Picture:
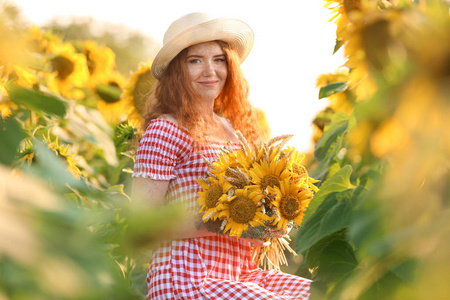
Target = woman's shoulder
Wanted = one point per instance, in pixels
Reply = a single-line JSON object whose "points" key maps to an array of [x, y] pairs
{"points": [[164, 122], [166, 126], [169, 118]]}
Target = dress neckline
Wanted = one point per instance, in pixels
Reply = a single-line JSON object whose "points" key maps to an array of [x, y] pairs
{"points": [[185, 131]]}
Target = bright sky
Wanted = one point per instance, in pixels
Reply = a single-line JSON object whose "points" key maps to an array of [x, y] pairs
{"points": [[293, 45]]}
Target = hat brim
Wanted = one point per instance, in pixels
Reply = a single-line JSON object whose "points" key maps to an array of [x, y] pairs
{"points": [[236, 33]]}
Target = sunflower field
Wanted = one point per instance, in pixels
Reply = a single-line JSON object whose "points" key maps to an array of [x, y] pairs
{"points": [[378, 228]]}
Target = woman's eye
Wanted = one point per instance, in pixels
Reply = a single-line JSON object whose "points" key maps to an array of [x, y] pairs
{"points": [[194, 61]]}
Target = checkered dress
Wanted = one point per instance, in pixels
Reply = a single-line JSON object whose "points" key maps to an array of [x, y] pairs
{"points": [[213, 267]]}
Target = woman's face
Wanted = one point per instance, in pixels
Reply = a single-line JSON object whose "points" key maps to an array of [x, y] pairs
{"points": [[208, 70]]}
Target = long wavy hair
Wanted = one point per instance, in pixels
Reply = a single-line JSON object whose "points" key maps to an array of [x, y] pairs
{"points": [[174, 94]]}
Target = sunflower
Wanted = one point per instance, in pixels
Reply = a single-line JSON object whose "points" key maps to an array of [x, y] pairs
{"points": [[28, 154], [63, 151], [38, 42], [100, 62], [22, 76], [339, 10], [231, 165], [69, 71], [270, 173], [212, 197], [241, 211], [13, 74], [137, 90], [111, 104], [298, 171], [365, 28], [290, 203]]}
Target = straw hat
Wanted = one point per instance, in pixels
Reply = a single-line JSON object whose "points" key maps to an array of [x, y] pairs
{"points": [[197, 28]]}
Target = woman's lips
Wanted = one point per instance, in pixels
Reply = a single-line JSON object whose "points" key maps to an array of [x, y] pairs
{"points": [[208, 83]]}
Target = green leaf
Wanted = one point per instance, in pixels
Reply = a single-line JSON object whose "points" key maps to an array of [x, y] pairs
{"points": [[406, 270], [333, 215], [11, 134], [339, 182], [331, 141], [332, 88], [38, 101], [88, 125], [51, 167], [332, 258]]}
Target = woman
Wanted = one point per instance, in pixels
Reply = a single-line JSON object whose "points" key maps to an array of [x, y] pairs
{"points": [[199, 102]]}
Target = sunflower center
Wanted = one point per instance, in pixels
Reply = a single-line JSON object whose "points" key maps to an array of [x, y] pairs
{"points": [[242, 209], [63, 66], [212, 195], [110, 93], [289, 207], [270, 180]]}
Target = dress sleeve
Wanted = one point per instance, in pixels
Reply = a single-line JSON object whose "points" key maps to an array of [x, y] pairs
{"points": [[159, 149]]}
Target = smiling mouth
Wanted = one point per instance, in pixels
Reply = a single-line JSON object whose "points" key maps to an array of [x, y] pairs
{"points": [[208, 83]]}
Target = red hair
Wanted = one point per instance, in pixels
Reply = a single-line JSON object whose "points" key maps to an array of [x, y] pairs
{"points": [[232, 103]]}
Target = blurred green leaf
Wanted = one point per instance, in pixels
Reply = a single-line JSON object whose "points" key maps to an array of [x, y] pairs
{"points": [[332, 215], [331, 141], [332, 88], [332, 258], [89, 126], [11, 134], [38, 101], [53, 169], [339, 182]]}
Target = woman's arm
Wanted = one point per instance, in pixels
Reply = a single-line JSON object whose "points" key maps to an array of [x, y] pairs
{"points": [[152, 193], [148, 191]]}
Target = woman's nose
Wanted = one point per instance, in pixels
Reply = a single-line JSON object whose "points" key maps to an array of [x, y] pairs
{"points": [[208, 69]]}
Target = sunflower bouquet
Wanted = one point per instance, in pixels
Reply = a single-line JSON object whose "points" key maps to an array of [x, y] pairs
{"points": [[257, 192]]}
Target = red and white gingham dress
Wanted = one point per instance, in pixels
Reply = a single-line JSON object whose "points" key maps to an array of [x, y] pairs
{"points": [[216, 267]]}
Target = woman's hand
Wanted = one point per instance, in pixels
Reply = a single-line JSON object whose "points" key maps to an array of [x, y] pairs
{"points": [[278, 233]]}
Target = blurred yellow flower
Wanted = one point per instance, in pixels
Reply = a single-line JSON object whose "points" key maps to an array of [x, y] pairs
{"points": [[38, 42], [13, 74], [339, 102], [63, 151], [390, 136], [358, 139], [111, 104], [101, 62], [22, 76], [69, 71], [339, 15], [137, 90]]}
